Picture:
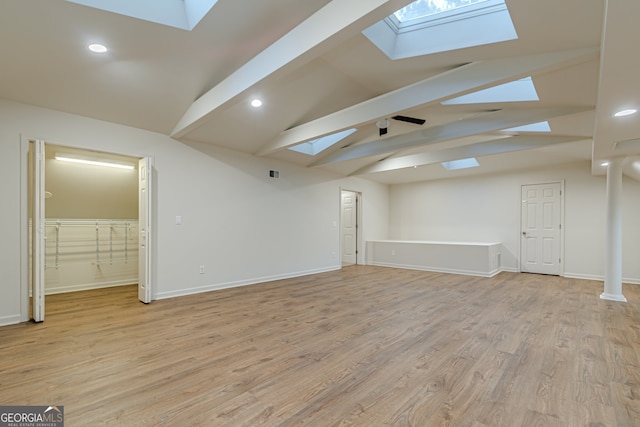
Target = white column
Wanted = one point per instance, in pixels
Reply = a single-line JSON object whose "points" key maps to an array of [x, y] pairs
{"points": [[613, 249]]}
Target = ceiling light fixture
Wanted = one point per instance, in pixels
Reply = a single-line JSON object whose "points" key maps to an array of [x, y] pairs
{"points": [[604, 164], [382, 124], [98, 48], [626, 112], [256, 103], [88, 161]]}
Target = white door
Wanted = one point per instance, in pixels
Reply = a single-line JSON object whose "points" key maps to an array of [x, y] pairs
{"points": [[541, 228], [349, 226], [38, 234], [145, 191]]}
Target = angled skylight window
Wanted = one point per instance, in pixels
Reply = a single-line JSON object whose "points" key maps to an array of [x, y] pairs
{"points": [[517, 91], [534, 127], [460, 164], [421, 8], [316, 146], [431, 26], [184, 14]]}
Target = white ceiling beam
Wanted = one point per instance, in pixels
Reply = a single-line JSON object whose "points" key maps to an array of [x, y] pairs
{"points": [[459, 81], [498, 120], [495, 146], [631, 167], [628, 147], [337, 20]]}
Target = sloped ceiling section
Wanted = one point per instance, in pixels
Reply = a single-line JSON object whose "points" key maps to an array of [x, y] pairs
{"points": [[448, 76], [317, 74]]}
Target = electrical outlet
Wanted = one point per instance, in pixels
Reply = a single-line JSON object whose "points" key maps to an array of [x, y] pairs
{"points": [[393, 251], [202, 269]]}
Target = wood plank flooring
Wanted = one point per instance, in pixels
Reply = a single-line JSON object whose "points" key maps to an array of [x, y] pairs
{"points": [[364, 346]]}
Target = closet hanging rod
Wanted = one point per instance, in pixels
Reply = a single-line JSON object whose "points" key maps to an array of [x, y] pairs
{"points": [[54, 222]]}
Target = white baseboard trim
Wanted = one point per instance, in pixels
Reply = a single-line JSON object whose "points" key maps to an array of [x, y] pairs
{"points": [[10, 320], [441, 270], [89, 286], [583, 276], [599, 278], [248, 282]]}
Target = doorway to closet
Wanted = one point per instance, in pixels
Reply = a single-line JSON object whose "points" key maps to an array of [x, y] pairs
{"points": [[89, 221]]}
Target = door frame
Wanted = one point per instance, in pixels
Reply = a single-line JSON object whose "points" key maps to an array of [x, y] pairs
{"points": [[562, 224], [360, 255], [26, 265]]}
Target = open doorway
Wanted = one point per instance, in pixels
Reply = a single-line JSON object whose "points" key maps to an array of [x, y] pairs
{"points": [[89, 219], [350, 234]]}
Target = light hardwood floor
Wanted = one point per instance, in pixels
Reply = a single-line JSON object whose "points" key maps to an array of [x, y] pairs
{"points": [[363, 346]]}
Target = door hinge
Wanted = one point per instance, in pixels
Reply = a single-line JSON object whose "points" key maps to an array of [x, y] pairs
{"points": [[559, 260], [560, 226]]}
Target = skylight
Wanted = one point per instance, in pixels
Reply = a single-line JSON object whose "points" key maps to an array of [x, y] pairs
{"points": [[533, 127], [421, 8], [316, 146], [460, 164], [184, 14], [431, 26], [516, 91]]}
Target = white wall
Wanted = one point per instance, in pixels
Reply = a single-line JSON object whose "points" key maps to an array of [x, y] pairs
{"points": [[89, 192], [243, 226], [487, 208]]}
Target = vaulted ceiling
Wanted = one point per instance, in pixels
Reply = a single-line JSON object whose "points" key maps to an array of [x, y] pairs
{"points": [[317, 74]]}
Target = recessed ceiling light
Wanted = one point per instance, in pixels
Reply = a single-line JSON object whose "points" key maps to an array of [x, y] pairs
{"points": [[256, 103], [97, 48], [604, 164], [626, 112]]}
